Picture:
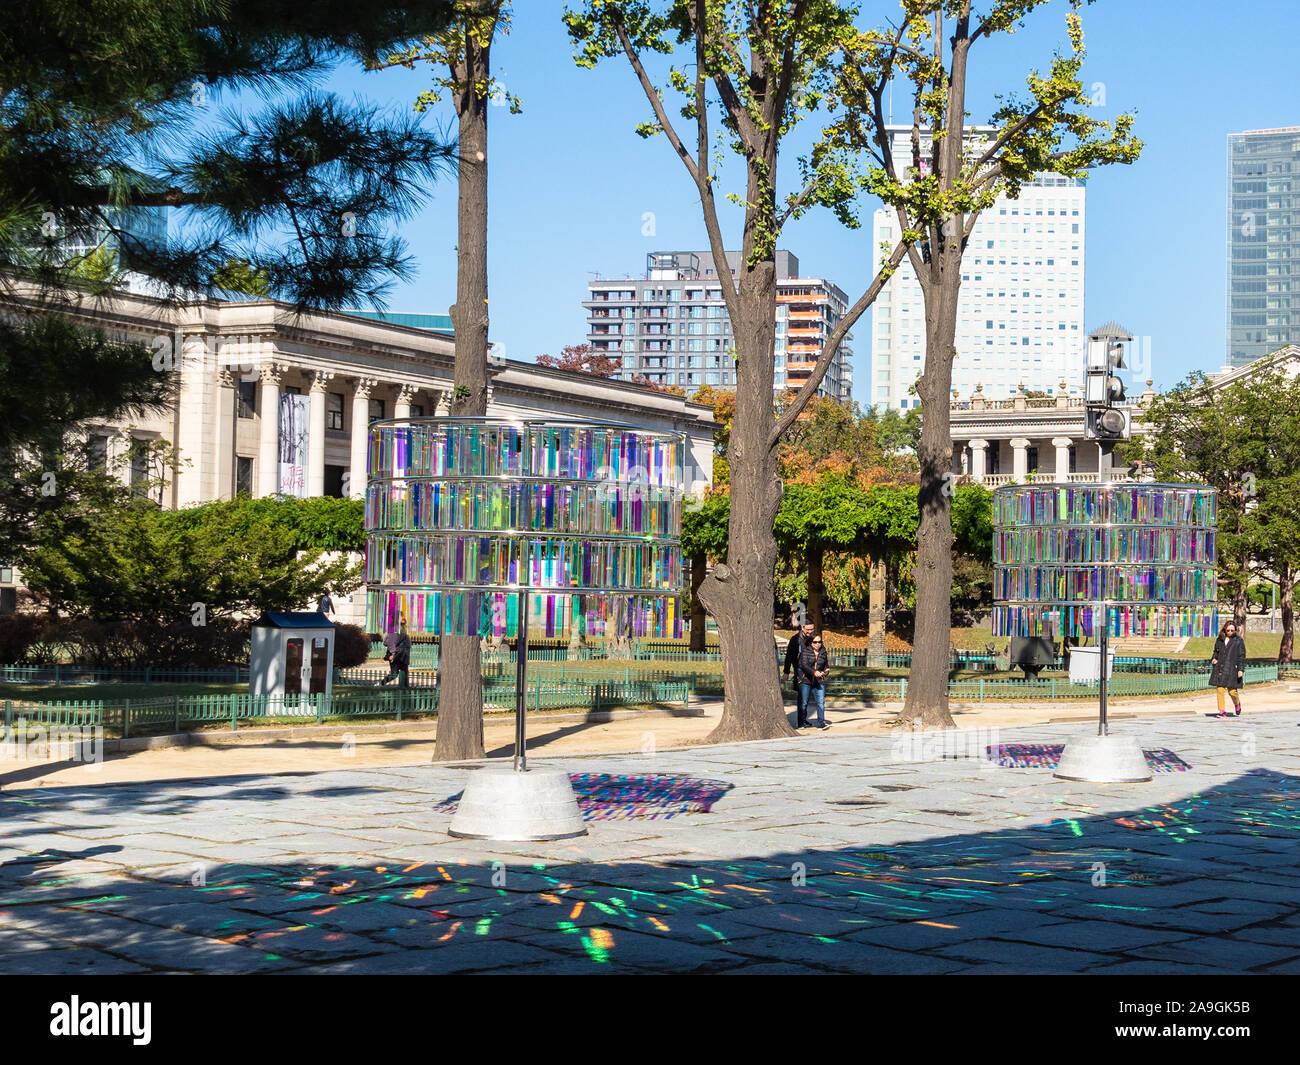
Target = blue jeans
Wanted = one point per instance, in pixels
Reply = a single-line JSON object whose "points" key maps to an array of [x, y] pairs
{"points": [[809, 697], [800, 703]]}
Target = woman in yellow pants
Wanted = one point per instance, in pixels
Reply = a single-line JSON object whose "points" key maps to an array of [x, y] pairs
{"points": [[1228, 666]]}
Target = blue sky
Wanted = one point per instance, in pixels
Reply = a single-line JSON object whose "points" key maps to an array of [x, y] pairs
{"points": [[570, 183]]}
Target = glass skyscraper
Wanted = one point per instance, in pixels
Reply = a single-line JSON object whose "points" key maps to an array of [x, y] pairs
{"points": [[1263, 242]]}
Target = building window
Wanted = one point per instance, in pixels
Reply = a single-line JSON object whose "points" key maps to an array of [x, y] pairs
{"points": [[334, 411], [247, 399], [334, 481], [97, 452], [243, 476], [1031, 459], [376, 410], [138, 456], [417, 410]]}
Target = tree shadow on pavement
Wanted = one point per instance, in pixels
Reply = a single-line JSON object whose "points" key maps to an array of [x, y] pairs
{"points": [[1203, 883]]}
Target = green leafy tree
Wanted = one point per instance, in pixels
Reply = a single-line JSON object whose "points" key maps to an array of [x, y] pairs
{"points": [[759, 70], [98, 118], [836, 513], [704, 541], [944, 180], [109, 107], [236, 275], [142, 583], [898, 434], [1242, 439]]}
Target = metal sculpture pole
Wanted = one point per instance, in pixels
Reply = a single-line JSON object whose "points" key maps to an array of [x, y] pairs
{"points": [[521, 670], [1105, 673], [1105, 457]]}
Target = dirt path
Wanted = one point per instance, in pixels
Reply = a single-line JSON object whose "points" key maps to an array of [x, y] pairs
{"points": [[308, 750]]}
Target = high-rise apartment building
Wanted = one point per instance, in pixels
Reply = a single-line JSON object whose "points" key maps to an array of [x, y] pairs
{"points": [[1263, 242], [671, 325], [1020, 312]]}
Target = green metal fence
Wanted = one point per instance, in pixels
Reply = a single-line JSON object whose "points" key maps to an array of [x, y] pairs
{"points": [[68, 674], [76, 713], [176, 713]]}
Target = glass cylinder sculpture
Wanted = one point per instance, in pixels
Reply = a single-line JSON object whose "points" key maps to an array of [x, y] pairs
{"points": [[1064, 553], [465, 515]]}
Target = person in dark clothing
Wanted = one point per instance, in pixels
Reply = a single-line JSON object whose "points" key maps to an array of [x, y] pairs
{"points": [[398, 656], [1228, 666], [797, 643], [811, 672]]}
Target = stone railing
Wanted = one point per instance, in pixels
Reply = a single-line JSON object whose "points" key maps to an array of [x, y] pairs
{"points": [[995, 480]]}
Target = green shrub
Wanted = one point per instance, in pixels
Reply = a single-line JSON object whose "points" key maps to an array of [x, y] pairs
{"points": [[351, 646]]}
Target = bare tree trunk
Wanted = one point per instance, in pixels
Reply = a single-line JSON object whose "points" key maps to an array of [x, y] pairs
{"points": [[699, 617], [816, 586], [1287, 582], [927, 688], [740, 594], [1239, 602], [460, 702]]}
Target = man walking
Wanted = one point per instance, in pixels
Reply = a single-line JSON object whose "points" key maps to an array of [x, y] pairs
{"points": [[326, 604], [398, 656], [800, 640]]}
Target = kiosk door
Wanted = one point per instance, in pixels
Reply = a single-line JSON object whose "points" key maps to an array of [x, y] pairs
{"points": [[320, 653], [293, 666]]}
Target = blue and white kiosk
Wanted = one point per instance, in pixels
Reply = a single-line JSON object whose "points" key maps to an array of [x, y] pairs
{"points": [[291, 654]]}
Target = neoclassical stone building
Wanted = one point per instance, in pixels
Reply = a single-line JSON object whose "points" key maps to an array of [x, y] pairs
{"points": [[234, 361], [997, 441], [1028, 439]]}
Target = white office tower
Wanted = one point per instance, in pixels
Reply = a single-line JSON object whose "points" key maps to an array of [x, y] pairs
{"points": [[1020, 314]]}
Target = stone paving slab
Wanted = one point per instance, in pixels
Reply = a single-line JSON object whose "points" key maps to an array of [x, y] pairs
{"points": [[827, 854]]}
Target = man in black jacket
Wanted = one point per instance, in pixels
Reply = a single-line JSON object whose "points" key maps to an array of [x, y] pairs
{"points": [[399, 656], [798, 642]]}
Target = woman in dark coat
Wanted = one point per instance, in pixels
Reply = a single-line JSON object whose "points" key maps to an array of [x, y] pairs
{"points": [[811, 672], [1228, 666]]}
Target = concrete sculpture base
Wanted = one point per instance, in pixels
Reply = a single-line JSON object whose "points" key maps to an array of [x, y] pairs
{"points": [[537, 804], [1104, 760]]}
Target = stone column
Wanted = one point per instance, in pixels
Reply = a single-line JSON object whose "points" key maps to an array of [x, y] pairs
{"points": [[876, 608], [977, 460], [1020, 460], [191, 371], [223, 440], [268, 447], [1062, 445], [402, 405], [360, 437], [320, 380]]}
